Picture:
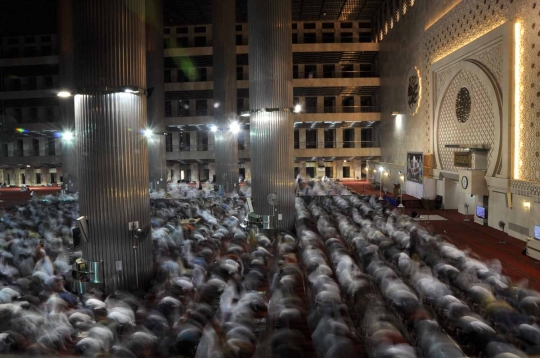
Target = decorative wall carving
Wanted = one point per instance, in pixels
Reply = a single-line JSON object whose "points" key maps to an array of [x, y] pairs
{"points": [[481, 126], [442, 77], [464, 23], [470, 99], [492, 59], [471, 19], [526, 188]]}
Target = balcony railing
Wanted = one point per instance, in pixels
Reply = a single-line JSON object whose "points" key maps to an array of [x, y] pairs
{"points": [[31, 86], [199, 148], [206, 78], [344, 109], [31, 153], [176, 43], [189, 148], [361, 144], [333, 144], [190, 113], [18, 52], [28, 153], [242, 76], [179, 42], [36, 119], [296, 75], [187, 79], [363, 38], [328, 109], [334, 74]]}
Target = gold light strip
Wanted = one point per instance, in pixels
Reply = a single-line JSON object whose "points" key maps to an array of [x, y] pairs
{"points": [[420, 90], [517, 98]]}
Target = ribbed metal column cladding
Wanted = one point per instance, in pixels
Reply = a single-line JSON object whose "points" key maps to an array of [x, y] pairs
{"points": [[114, 183], [110, 55], [66, 82], [270, 86], [157, 163], [226, 143], [110, 43]]}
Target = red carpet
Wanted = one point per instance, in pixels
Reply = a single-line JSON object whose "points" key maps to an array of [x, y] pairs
{"points": [[361, 187], [481, 241], [14, 196]]}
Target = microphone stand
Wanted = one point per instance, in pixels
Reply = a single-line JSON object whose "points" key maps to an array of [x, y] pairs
{"points": [[502, 237], [427, 200]]}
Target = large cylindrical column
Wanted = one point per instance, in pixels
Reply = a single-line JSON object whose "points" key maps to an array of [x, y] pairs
{"points": [[66, 83], [226, 141], [113, 155], [270, 86], [157, 165]]}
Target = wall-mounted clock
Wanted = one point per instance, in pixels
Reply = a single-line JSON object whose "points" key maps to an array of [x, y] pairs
{"points": [[464, 182]]}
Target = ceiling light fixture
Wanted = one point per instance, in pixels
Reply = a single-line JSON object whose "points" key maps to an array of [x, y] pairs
{"points": [[64, 94]]}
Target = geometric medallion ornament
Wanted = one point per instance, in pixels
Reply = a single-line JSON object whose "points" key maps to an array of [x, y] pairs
{"points": [[414, 89], [463, 105]]}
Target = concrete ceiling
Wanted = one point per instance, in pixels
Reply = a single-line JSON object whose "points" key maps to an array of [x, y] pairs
{"points": [[194, 12]]}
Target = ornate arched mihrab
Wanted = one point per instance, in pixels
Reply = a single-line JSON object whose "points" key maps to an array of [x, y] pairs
{"points": [[483, 124]]}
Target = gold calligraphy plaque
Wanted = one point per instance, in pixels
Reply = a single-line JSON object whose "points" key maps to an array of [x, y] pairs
{"points": [[463, 159]]}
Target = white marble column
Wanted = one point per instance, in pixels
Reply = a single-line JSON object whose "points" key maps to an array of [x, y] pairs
{"points": [[302, 138], [247, 140], [193, 142], [59, 174], [357, 167], [357, 137], [303, 170], [176, 142], [339, 102], [13, 177], [338, 169], [339, 137], [320, 137], [169, 176], [247, 166], [19, 174], [176, 172], [211, 142], [211, 171], [45, 175], [320, 104], [194, 172], [30, 176]]}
